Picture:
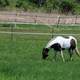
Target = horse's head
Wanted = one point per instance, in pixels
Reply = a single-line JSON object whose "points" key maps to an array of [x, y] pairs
{"points": [[45, 53]]}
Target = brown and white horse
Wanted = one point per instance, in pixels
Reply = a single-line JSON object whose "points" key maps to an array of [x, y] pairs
{"points": [[59, 44]]}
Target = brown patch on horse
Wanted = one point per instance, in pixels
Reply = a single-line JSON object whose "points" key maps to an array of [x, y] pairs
{"points": [[73, 44]]}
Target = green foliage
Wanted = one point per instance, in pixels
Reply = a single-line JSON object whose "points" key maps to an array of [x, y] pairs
{"points": [[78, 1], [4, 3], [66, 6], [63, 6], [51, 5], [24, 5], [19, 3]]}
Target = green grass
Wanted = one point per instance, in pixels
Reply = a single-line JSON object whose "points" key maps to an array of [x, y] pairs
{"points": [[42, 28], [21, 59]]}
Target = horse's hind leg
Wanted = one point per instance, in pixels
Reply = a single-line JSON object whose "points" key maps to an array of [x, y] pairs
{"points": [[62, 56], [55, 55]]}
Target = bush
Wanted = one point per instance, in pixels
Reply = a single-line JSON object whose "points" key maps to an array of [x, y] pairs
{"points": [[18, 3], [39, 2], [66, 6], [4, 3], [51, 5], [78, 1]]}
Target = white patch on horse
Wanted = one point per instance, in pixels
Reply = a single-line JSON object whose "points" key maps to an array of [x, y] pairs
{"points": [[64, 42]]}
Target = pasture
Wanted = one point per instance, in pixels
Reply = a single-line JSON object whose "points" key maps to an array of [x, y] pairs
{"points": [[21, 58]]}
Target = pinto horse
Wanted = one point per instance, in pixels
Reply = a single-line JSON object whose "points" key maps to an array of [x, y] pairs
{"points": [[59, 44]]}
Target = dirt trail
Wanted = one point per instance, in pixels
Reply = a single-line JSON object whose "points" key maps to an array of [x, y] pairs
{"points": [[42, 18]]}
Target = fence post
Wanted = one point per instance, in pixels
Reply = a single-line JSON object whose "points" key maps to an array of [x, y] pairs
{"points": [[12, 29], [15, 25], [35, 19], [52, 31], [75, 19], [58, 21]]}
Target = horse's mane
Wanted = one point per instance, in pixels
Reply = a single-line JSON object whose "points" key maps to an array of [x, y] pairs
{"points": [[51, 39]]}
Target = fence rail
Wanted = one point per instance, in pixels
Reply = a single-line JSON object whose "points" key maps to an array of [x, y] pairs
{"points": [[40, 18], [28, 33]]}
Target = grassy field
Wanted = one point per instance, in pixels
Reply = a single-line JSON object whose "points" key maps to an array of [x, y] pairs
{"points": [[21, 59]]}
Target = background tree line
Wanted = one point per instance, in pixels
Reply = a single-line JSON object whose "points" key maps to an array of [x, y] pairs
{"points": [[61, 6]]}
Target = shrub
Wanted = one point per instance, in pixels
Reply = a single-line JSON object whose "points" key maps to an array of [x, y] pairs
{"points": [[39, 2], [4, 3], [19, 3], [66, 6], [52, 4]]}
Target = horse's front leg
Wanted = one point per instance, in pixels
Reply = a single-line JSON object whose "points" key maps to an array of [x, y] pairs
{"points": [[62, 56], [71, 53], [55, 55]]}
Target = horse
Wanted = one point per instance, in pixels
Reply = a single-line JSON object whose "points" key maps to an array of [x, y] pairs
{"points": [[60, 43]]}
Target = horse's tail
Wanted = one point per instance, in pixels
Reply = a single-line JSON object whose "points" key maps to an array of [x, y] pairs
{"points": [[76, 49]]}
